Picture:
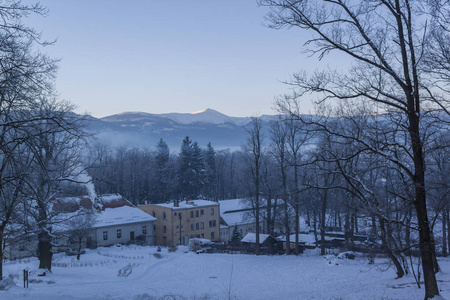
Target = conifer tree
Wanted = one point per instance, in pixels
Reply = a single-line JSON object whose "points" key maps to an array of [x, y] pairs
{"points": [[160, 188]]}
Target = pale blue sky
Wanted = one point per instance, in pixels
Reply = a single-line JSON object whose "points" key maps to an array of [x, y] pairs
{"points": [[163, 56]]}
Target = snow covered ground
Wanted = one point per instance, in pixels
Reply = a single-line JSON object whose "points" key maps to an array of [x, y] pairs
{"points": [[135, 272]]}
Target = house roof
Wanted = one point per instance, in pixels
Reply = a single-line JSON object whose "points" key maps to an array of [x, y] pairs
{"points": [[190, 204], [251, 238], [108, 209], [236, 212]]}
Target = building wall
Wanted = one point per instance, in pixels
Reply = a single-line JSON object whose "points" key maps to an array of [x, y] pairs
{"points": [[227, 232], [123, 233], [193, 223]]}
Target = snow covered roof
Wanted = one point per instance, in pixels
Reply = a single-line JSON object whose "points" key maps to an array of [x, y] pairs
{"points": [[112, 209], [190, 204], [235, 212], [251, 238], [122, 215]]}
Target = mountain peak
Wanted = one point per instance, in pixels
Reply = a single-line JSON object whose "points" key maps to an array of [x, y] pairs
{"points": [[207, 110]]}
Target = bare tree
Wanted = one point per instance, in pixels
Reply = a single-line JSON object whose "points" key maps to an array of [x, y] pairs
{"points": [[386, 40], [253, 157], [56, 144], [25, 76]]}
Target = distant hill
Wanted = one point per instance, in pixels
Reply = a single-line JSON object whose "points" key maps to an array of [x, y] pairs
{"points": [[140, 129]]}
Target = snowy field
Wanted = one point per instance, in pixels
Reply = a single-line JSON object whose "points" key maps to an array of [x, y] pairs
{"points": [[135, 272]]}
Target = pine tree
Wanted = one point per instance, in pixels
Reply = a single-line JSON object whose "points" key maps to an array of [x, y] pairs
{"points": [[236, 237], [160, 188], [211, 174], [191, 170]]}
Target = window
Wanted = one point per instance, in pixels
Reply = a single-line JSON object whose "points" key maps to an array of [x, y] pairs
{"points": [[164, 229], [21, 248], [202, 212], [153, 214], [212, 235], [180, 216], [144, 229], [164, 240], [210, 223], [175, 214], [212, 211], [214, 223], [119, 233], [164, 215], [197, 226], [202, 225], [192, 213], [196, 213], [192, 226], [105, 235]]}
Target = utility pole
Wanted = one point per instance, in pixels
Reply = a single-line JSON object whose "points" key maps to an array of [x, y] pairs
{"points": [[179, 218]]}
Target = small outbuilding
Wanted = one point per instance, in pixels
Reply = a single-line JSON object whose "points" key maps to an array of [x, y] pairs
{"points": [[267, 243]]}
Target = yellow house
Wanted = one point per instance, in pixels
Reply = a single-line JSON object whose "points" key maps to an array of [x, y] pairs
{"points": [[179, 221]]}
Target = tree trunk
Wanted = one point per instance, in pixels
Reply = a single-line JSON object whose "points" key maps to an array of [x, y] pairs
{"points": [[322, 222], [45, 251], [287, 228], [444, 233], [387, 249]]}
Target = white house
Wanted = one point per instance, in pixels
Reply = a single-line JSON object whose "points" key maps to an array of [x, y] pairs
{"points": [[235, 213], [112, 220]]}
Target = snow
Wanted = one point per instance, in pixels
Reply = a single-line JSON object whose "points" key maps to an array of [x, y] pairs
{"points": [[190, 204], [234, 212], [122, 215], [251, 238], [135, 272]]}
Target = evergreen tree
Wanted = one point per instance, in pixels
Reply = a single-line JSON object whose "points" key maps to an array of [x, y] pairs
{"points": [[211, 173], [192, 170], [160, 188], [236, 237]]}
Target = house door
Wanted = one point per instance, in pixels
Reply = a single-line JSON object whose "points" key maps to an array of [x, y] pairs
{"points": [[131, 235]]}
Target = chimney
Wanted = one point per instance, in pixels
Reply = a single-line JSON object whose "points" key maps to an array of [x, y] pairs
{"points": [[187, 200], [176, 203], [145, 202]]}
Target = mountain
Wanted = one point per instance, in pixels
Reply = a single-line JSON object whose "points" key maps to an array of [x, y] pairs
{"points": [[140, 129]]}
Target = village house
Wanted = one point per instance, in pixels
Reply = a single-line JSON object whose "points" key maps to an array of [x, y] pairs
{"points": [[103, 221], [235, 213], [267, 243], [179, 221], [238, 213]]}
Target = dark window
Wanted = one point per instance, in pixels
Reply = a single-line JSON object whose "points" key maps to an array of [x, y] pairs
{"points": [[196, 213], [105, 235], [192, 213], [164, 240], [153, 214], [212, 211], [119, 233], [202, 225], [164, 229], [174, 214], [164, 215], [202, 212], [192, 226], [144, 229], [197, 226], [212, 235], [214, 223], [210, 223]]}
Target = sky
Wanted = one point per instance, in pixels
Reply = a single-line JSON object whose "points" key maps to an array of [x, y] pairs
{"points": [[169, 56]]}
